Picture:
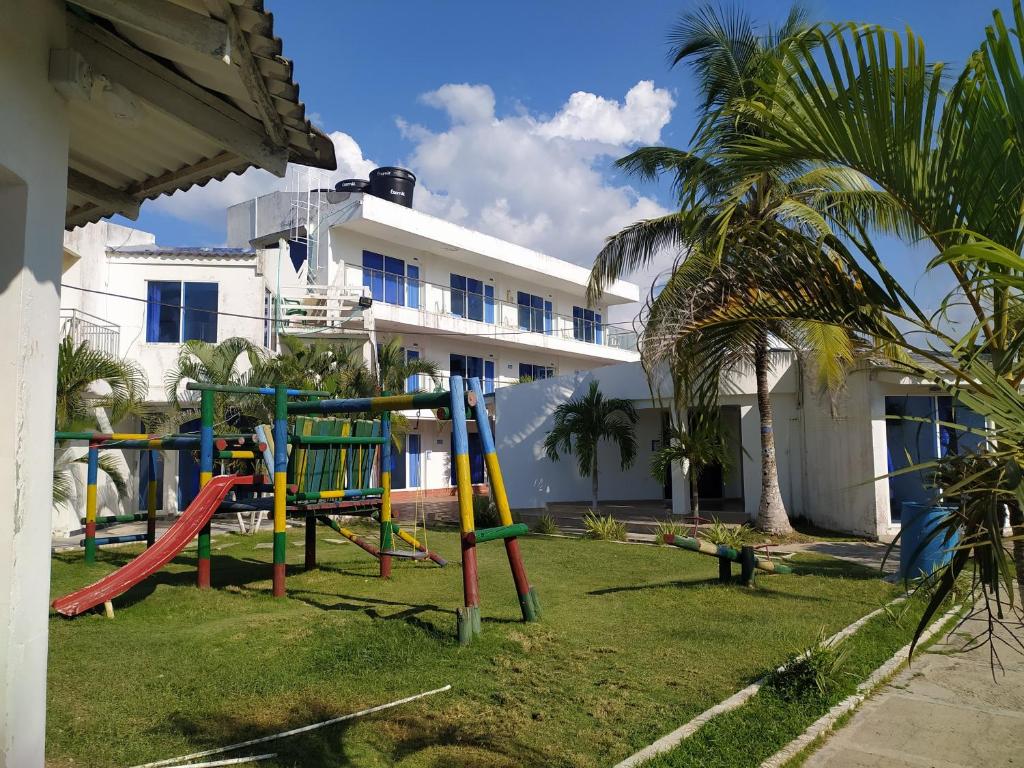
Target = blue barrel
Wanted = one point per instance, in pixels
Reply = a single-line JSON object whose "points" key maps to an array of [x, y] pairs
{"points": [[918, 558]]}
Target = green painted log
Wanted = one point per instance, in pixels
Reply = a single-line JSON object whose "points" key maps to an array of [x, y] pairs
{"points": [[354, 493], [714, 550], [501, 532]]}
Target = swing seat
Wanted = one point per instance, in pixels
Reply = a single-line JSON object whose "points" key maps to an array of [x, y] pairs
{"points": [[404, 554]]}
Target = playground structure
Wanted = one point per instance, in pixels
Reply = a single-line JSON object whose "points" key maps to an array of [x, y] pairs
{"points": [[324, 466], [748, 561], [151, 445]]}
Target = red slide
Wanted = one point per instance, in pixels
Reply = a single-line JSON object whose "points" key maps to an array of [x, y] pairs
{"points": [[177, 537]]}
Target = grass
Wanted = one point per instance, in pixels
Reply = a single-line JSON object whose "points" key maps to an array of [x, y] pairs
{"points": [[779, 712], [634, 641]]}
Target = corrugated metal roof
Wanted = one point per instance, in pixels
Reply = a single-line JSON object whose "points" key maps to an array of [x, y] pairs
{"points": [[182, 250], [128, 139]]}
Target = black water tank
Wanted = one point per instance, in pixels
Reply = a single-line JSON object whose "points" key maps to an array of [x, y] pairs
{"points": [[352, 185], [394, 184]]}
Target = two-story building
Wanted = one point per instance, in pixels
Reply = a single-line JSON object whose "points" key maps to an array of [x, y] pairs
{"points": [[473, 304]]}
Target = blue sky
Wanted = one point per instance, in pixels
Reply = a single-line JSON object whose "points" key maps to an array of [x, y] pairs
{"points": [[516, 154]]}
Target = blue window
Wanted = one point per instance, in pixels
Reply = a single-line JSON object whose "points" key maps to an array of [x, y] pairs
{"points": [[472, 299], [413, 451], [177, 312], [144, 480], [535, 314], [468, 367], [412, 288], [412, 383], [535, 372], [389, 281], [586, 325]]}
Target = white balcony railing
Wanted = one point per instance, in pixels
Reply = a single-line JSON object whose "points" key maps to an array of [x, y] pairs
{"points": [[319, 309], [512, 318], [96, 332]]}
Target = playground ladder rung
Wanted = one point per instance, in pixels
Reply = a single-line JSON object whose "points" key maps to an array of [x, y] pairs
{"points": [[403, 553], [501, 532]]}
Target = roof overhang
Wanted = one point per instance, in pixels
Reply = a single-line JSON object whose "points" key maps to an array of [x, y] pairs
{"points": [[414, 229], [166, 94]]}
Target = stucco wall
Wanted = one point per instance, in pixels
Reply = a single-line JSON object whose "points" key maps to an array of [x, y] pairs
{"points": [[33, 176]]}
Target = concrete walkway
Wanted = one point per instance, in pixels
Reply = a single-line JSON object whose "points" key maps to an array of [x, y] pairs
{"points": [[944, 711], [870, 554]]}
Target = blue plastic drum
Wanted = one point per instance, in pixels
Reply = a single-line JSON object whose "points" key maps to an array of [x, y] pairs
{"points": [[918, 558]]}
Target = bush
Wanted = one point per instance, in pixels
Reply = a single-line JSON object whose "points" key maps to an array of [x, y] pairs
{"points": [[722, 534], [545, 524], [816, 672], [668, 528], [485, 513], [605, 527]]}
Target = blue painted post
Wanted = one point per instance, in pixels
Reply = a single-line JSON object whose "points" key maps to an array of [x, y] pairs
{"points": [[205, 476], [468, 618], [90, 502]]}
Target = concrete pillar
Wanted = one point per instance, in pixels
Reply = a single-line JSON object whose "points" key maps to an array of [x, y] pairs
{"points": [[33, 180]]}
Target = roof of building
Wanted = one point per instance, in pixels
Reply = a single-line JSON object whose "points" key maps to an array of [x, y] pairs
{"points": [[166, 94], [183, 250]]}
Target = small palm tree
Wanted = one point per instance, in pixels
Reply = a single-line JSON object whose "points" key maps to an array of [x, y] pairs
{"points": [[313, 365], [394, 369], [699, 447], [94, 389], [580, 426], [206, 363]]}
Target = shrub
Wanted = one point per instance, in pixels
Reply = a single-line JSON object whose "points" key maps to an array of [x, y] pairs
{"points": [[485, 513], [816, 672], [668, 528], [545, 524], [734, 536], [604, 527]]}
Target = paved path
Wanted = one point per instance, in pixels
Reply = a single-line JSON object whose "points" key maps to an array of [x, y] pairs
{"points": [[866, 553], [944, 711]]}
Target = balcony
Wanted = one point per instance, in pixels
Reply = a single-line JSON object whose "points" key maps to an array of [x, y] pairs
{"points": [[323, 311], [405, 303], [96, 332]]}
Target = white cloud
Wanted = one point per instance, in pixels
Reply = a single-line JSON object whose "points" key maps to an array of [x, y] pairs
{"points": [[542, 182], [589, 117]]}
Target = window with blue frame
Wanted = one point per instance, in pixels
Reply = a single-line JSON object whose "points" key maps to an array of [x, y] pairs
{"points": [[535, 314], [177, 312], [469, 367], [390, 280], [412, 384], [472, 299], [586, 325], [535, 372]]}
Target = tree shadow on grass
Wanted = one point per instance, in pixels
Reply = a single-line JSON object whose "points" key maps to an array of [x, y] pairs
{"points": [[332, 746], [752, 591], [832, 567]]}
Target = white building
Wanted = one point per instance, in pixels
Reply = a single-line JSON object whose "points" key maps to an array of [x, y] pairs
{"points": [[471, 303], [833, 455]]}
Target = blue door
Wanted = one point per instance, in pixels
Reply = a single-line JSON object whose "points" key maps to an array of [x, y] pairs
{"points": [[476, 459], [188, 470], [414, 449]]}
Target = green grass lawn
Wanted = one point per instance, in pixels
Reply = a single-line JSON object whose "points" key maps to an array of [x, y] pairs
{"points": [[635, 640]]}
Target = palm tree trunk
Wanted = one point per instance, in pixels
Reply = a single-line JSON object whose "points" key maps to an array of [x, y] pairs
{"points": [[771, 513], [593, 486], [694, 492]]}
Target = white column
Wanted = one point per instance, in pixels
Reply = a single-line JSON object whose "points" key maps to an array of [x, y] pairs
{"points": [[33, 174]]}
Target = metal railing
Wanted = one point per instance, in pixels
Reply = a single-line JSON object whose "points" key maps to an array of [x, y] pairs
{"points": [[98, 333], [397, 290], [319, 308]]}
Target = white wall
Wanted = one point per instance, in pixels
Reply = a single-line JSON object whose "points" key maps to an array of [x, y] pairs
{"points": [[33, 177]]}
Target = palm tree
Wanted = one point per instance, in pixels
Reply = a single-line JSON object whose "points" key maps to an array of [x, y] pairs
{"points": [[94, 390], [950, 155], [222, 363], [394, 368], [314, 365], [581, 425], [729, 216], [699, 447]]}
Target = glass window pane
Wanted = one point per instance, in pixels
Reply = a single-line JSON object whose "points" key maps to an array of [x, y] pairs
{"points": [[457, 365], [475, 367], [373, 260], [458, 281], [412, 287], [475, 310], [524, 317], [474, 286], [537, 302], [200, 316], [538, 321], [163, 312], [523, 298], [394, 266], [394, 289]]}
